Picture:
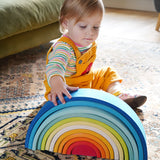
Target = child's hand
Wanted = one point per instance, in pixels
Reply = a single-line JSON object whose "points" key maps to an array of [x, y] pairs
{"points": [[58, 88]]}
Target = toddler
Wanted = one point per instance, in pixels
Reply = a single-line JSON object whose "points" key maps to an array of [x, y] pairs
{"points": [[69, 60]]}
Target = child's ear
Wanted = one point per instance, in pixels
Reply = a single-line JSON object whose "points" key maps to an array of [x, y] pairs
{"points": [[65, 23]]}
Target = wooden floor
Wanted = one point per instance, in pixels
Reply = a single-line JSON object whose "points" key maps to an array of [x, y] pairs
{"points": [[137, 25]]}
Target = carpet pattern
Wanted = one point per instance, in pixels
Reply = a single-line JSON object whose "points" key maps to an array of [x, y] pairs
{"points": [[22, 90]]}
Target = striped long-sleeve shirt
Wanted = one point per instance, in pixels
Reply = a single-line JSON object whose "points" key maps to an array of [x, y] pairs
{"points": [[62, 60]]}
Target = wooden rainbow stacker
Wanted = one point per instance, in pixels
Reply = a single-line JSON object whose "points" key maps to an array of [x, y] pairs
{"points": [[93, 123]]}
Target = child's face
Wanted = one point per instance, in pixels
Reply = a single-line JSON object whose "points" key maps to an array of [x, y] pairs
{"points": [[85, 31]]}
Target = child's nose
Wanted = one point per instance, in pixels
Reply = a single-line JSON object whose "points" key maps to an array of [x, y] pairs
{"points": [[90, 31]]}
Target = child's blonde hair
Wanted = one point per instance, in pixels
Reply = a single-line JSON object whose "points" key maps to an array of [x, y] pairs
{"points": [[78, 9]]}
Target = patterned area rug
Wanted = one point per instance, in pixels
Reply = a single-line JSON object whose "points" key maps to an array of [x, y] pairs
{"points": [[22, 90]]}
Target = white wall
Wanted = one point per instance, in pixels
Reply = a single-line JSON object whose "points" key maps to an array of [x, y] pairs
{"points": [[144, 5]]}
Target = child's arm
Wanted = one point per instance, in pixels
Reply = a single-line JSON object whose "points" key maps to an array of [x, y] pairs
{"points": [[58, 89]]}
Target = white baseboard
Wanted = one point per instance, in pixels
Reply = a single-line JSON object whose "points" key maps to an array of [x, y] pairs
{"points": [[144, 5]]}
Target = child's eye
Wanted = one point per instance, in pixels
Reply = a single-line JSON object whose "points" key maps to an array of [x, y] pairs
{"points": [[96, 28], [83, 27]]}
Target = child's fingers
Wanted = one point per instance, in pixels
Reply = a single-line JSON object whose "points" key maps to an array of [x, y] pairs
{"points": [[67, 94], [69, 88], [49, 97], [61, 98], [72, 88], [54, 99], [60, 95]]}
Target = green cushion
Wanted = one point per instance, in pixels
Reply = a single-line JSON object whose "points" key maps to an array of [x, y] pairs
{"points": [[28, 39], [17, 16]]}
